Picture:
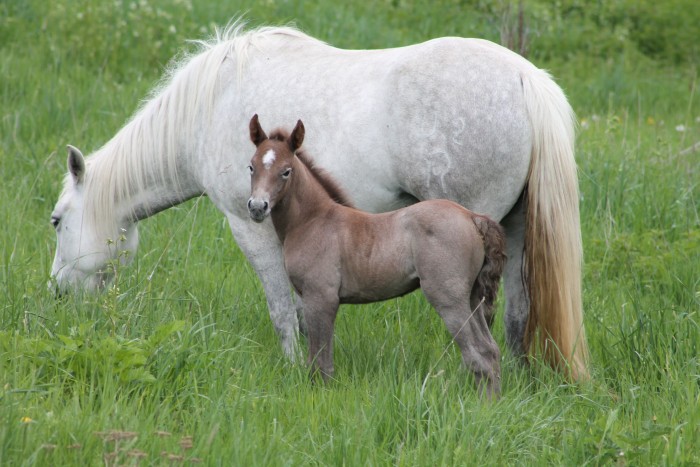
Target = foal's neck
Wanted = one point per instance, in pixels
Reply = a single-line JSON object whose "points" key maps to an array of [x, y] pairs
{"points": [[304, 200]]}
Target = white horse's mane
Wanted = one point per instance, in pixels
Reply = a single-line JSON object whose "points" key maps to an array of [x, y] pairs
{"points": [[146, 149]]}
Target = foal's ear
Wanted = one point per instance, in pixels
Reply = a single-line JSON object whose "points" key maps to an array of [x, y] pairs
{"points": [[257, 135], [297, 137], [76, 164]]}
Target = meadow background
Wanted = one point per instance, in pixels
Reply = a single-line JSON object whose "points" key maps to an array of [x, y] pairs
{"points": [[178, 361]]}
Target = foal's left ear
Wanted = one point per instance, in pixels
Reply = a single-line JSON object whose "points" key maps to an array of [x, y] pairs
{"points": [[297, 137], [257, 135]]}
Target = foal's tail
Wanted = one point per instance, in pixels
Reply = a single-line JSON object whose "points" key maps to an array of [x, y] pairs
{"points": [[553, 253], [486, 284]]}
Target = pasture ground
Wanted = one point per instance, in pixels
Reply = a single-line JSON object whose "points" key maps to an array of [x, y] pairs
{"points": [[178, 361]]}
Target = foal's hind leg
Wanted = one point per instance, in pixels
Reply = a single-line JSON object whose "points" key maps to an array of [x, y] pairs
{"points": [[469, 329]]}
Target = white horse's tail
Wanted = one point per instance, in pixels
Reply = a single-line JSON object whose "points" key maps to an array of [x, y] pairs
{"points": [[553, 251]]}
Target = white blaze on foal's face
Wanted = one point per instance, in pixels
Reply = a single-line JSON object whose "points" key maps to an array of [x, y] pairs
{"points": [[269, 158]]}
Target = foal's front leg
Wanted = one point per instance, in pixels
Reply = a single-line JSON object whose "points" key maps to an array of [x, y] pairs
{"points": [[319, 316]]}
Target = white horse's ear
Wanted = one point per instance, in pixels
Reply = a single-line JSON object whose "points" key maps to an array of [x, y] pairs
{"points": [[296, 139], [76, 164]]}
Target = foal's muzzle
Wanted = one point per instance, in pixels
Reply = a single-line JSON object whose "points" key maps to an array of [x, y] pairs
{"points": [[258, 209]]}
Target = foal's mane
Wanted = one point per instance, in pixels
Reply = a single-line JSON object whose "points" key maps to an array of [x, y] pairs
{"points": [[329, 184]]}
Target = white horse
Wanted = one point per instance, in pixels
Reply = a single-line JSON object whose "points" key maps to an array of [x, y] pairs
{"points": [[463, 119]]}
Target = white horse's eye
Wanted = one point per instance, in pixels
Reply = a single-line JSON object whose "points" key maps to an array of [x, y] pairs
{"points": [[287, 173], [250, 169], [55, 221]]}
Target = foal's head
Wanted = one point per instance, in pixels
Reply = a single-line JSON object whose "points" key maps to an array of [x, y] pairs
{"points": [[271, 167]]}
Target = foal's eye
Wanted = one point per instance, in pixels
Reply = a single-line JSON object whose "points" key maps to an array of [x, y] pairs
{"points": [[250, 169], [55, 221], [287, 173]]}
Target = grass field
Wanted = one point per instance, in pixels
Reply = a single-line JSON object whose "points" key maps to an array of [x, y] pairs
{"points": [[179, 363]]}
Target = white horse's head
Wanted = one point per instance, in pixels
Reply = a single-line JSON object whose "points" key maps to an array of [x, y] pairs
{"points": [[87, 253]]}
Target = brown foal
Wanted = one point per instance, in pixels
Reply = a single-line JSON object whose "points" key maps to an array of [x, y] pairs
{"points": [[334, 253]]}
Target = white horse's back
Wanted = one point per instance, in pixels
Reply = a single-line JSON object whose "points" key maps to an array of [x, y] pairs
{"points": [[441, 106]]}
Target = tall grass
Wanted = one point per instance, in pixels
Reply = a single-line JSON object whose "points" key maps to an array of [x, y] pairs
{"points": [[178, 362]]}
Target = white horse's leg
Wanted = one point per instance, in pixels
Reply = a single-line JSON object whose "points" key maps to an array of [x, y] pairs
{"points": [[517, 302], [264, 252]]}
